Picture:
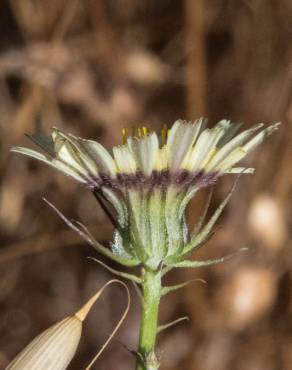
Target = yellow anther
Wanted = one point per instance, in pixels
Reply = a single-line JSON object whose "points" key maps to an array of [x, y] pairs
{"points": [[124, 135], [140, 134], [164, 132], [145, 131]]}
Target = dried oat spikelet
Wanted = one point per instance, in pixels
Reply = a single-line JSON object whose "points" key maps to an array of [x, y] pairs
{"points": [[52, 349], [55, 347]]}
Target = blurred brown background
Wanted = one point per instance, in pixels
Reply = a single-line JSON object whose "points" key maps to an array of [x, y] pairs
{"points": [[92, 67]]}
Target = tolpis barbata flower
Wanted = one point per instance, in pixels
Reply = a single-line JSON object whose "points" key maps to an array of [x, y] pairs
{"points": [[145, 184]]}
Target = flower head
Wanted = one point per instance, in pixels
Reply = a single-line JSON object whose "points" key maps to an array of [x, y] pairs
{"points": [[149, 180]]}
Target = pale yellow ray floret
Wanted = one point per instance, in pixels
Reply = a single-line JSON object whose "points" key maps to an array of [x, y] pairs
{"points": [[223, 152], [161, 159], [144, 151], [124, 159], [185, 146], [180, 139]]}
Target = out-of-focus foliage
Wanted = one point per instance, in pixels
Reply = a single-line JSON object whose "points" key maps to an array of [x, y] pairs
{"points": [[93, 67]]}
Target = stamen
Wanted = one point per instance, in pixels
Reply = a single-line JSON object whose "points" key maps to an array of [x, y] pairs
{"points": [[145, 130], [124, 135], [140, 133], [164, 132]]}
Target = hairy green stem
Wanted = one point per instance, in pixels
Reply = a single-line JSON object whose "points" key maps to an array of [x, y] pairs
{"points": [[147, 359]]}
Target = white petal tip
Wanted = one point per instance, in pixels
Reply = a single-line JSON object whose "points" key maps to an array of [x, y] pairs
{"points": [[240, 170]]}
